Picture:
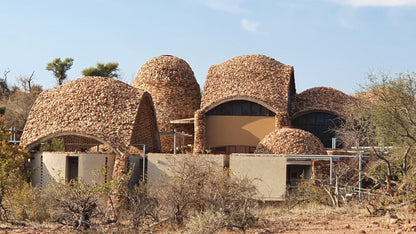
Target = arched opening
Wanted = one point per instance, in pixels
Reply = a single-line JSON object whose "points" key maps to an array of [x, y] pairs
{"points": [[240, 108], [237, 126], [67, 156], [321, 124]]}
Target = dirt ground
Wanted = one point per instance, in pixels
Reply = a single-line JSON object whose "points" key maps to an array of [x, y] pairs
{"points": [[312, 219]]}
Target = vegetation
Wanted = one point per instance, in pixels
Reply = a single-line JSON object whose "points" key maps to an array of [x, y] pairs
{"points": [[19, 100], [54, 145], [384, 118], [59, 68], [12, 173], [105, 70]]}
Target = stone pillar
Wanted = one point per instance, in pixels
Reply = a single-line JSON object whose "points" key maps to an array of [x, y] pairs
{"points": [[281, 120], [121, 166], [200, 132]]}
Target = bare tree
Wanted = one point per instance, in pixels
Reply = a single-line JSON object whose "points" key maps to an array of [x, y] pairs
{"points": [[26, 82]]}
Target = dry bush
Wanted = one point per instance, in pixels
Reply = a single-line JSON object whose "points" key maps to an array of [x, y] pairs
{"points": [[28, 203], [308, 192], [202, 190], [76, 203], [141, 206]]}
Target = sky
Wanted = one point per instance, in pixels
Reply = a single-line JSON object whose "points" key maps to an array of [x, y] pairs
{"points": [[334, 43]]}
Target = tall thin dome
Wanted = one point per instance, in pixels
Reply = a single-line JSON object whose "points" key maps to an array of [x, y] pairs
{"points": [[175, 92]]}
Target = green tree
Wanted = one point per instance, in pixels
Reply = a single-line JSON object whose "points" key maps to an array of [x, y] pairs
{"points": [[59, 68], [104, 70], [12, 161], [385, 115]]}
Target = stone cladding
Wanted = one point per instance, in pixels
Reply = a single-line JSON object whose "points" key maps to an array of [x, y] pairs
{"points": [[176, 94]]}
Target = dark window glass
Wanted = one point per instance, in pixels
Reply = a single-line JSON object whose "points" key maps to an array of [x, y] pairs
{"points": [[320, 124], [241, 108]]}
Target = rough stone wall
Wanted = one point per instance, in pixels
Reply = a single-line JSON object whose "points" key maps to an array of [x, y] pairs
{"points": [[145, 128], [290, 141], [321, 99], [175, 92], [200, 132], [281, 120], [95, 107], [252, 76]]}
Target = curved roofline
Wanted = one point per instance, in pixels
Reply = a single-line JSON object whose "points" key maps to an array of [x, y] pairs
{"points": [[301, 113], [235, 98], [54, 135]]}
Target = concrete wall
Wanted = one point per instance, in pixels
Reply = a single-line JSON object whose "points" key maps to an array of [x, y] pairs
{"points": [[237, 130], [268, 173], [53, 166], [158, 165], [135, 166]]}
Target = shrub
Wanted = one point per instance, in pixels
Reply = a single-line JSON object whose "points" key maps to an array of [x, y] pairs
{"points": [[200, 189], [76, 203], [55, 145], [141, 205], [28, 203]]}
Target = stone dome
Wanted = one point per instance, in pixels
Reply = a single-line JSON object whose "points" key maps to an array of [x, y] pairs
{"points": [[255, 78], [93, 110], [321, 99], [290, 141], [176, 94]]}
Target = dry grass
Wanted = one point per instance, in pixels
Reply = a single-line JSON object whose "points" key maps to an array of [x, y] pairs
{"points": [[274, 219]]}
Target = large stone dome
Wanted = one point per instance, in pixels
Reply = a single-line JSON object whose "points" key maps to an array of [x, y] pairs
{"points": [[175, 92], [252, 77], [93, 110], [290, 141]]}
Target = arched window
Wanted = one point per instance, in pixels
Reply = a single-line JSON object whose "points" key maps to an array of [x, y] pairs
{"points": [[320, 124], [241, 108]]}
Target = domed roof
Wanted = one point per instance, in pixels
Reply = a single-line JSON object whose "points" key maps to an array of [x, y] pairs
{"points": [[176, 93], [321, 99], [255, 78], [290, 141], [104, 109]]}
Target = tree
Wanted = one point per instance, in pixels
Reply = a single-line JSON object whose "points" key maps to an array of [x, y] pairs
{"points": [[12, 160], [385, 115], [4, 89], [59, 68], [104, 70], [19, 101]]}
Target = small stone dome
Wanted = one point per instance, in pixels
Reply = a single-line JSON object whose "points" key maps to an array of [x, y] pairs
{"points": [[255, 77], [290, 141], [175, 92]]}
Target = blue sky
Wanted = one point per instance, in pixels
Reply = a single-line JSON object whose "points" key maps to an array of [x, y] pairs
{"points": [[333, 43]]}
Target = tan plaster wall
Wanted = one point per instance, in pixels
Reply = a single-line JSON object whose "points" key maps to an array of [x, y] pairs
{"points": [[268, 173], [158, 165], [53, 166], [90, 167], [237, 130]]}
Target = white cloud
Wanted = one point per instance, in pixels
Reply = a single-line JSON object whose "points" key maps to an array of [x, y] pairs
{"points": [[375, 3], [250, 26], [230, 6]]}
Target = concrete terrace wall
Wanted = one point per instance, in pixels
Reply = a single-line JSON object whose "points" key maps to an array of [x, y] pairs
{"points": [[53, 166], [158, 165], [268, 173]]}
